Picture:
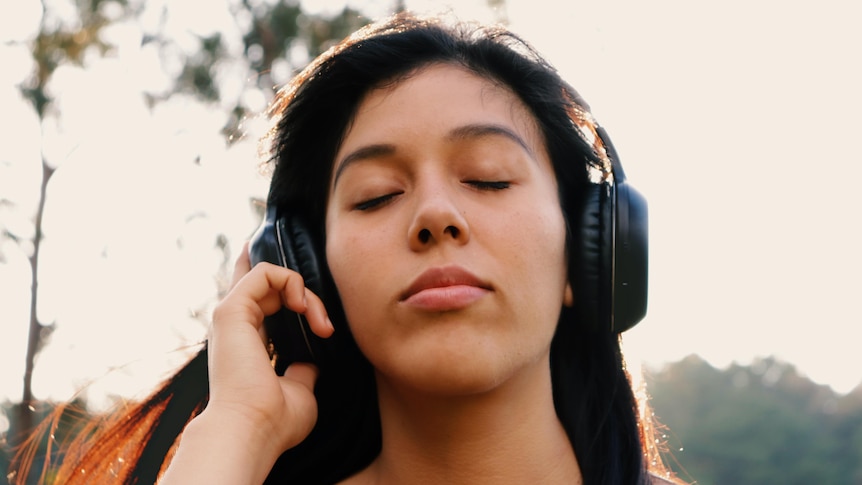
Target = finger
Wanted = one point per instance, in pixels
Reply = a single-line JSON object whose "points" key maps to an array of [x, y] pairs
{"points": [[298, 380], [259, 293], [303, 373], [241, 266], [267, 287], [271, 286], [294, 294], [317, 316]]}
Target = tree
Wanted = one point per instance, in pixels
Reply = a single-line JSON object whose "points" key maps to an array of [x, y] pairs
{"points": [[762, 423], [55, 43]]}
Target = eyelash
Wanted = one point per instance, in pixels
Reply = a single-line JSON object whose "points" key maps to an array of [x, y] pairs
{"points": [[375, 202], [490, 185]]}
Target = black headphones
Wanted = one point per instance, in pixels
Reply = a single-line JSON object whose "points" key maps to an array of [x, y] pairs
{"points": [[611, 292]]}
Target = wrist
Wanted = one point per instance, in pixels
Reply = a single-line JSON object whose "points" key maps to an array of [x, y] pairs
{"points": [[222, 448], [241, 432]]}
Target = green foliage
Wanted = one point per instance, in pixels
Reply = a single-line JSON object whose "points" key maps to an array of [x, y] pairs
{"points": [[323, 33], [67, 41], [275, 29], [197, 74], [272, 31], [279, 27], [762, 424]]}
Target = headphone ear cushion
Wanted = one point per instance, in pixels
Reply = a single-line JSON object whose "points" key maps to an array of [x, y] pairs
{"points": [[299, 251], [594, 259], [283, 240]]}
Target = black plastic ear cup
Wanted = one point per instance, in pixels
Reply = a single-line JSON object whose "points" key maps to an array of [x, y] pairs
{"points": [[283, 240], [612, 289], [631, 259]]}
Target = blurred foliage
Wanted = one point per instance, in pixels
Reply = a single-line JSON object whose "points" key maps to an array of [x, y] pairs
{"points": [[59, 42], [759, 424], [272, 32], [278, 28]]}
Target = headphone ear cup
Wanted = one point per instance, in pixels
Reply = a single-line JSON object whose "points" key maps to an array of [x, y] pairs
{"points": [[283, 240], [630, 258], [612, 263], [299, 251], [594, 259], [613, 259]]}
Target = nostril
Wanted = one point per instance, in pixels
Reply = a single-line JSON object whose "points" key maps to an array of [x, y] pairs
{"points": [[424, 236], [453, 231]]}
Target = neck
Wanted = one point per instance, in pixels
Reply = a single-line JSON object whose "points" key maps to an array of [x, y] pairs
{"points": [[510, 434]]}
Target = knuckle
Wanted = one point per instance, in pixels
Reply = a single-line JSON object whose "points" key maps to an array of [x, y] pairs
{"points": [[237, 309], [288, 276]]}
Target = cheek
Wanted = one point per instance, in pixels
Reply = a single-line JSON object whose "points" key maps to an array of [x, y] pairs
{"points": [[343, 255], [538, 233], [357, 279], [538, 248], [354, 260]]}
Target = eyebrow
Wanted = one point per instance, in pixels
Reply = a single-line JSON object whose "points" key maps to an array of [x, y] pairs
{"points": [[466, 132], [364, 153], [481, 130]]}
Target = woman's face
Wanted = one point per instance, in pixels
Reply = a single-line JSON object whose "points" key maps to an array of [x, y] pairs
{"points": [[444, 233]]}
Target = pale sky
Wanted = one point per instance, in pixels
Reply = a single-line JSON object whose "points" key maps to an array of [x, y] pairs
{"points": [[738, 121]]}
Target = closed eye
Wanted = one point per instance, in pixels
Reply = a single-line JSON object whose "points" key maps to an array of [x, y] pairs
{"points": [[489, 184], [376, 202]]}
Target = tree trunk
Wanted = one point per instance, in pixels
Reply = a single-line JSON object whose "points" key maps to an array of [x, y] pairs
{"points": [[26, 410]]}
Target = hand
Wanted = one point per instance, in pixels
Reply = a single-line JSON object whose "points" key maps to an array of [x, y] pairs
{"points": [[243, 384], [253, 415]]}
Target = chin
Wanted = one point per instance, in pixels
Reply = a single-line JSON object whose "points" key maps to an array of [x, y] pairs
{"points": [[455, 379], [455, 370]]}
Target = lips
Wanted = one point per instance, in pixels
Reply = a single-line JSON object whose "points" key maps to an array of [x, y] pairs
{"points": [[445, 289]]}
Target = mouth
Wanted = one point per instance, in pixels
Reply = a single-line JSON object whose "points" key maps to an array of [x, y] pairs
{"points": [[445, 288]]}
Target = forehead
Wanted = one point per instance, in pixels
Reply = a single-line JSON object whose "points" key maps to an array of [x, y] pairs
{"points": [[434, 98]]}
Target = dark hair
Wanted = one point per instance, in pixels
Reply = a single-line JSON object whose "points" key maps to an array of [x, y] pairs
{"points": [[592, 391], [591, 388]]}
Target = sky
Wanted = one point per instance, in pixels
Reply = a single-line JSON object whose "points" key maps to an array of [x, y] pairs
{"points": [[737, 120]]}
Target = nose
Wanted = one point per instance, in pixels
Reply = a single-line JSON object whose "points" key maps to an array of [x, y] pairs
{"points": [[437, 219]]}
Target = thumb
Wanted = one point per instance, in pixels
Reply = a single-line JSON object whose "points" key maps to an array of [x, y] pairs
{"points": [[302, 372], [298, 385]]}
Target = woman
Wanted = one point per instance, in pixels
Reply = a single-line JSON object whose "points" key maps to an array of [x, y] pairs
{"points": [[436, 184]]}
